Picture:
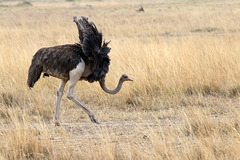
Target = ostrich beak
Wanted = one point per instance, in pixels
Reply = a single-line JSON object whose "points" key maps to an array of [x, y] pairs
{"points": [[129, 79]]}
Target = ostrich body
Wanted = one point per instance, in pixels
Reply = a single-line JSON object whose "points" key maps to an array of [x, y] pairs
{"points": [[87, 60]]}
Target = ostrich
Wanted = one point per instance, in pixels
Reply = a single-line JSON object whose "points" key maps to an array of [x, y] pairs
{"points": [[140, 9], [87, 60]]}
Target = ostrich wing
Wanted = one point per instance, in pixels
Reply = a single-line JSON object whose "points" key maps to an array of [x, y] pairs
{"points": [[102, 62], [92, 39], [93, 47], [89, 36], [80, 29]]}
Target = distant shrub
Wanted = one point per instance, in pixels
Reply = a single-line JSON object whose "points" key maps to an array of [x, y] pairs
{"points": [[24, 4]]}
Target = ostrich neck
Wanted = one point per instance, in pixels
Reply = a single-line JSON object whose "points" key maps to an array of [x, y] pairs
{"points": [[116, 90]]}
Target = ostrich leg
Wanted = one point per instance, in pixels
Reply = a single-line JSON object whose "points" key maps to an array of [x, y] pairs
{"points": [[74, 78], [75, 100], [59, 97]]}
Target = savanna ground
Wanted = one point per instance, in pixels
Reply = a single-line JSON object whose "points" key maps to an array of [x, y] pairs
{"points": [[183, 55]]}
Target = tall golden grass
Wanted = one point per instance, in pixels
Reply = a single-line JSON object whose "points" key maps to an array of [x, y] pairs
{"points": [[183, 104]]}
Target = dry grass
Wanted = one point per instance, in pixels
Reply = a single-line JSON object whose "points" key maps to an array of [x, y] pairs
{"points": [[184, 101]]}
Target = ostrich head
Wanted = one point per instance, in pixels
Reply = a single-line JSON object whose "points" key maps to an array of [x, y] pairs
{"points": [[125, 78]]}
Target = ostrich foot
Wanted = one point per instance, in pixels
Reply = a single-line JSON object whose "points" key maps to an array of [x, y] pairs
{"points": [[57, 124], [93, 119]]}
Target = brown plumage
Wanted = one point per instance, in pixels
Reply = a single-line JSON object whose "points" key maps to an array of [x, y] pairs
{"points": [[55, 61]]}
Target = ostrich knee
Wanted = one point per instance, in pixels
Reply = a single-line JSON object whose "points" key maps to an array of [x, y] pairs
{"points": [[59, 93], [70, 96]]}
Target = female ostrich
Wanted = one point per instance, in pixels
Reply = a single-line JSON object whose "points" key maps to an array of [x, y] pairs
{"points": [[87, 60]]}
